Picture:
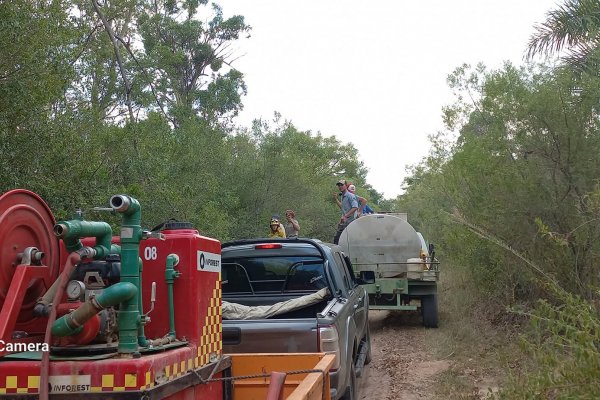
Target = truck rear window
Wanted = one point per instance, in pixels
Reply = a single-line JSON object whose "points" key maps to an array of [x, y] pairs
{"points": [[273, 275]]}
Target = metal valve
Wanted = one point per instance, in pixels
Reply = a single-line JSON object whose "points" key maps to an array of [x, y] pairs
{"points": [[151, 234], [152, 301]]}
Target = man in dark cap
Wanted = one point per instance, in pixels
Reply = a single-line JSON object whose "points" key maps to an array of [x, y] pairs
{"points": [[349, 205]]}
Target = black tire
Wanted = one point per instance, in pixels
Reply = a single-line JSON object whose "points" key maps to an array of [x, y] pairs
{"points": [[369, 356], [351, 392], [429, 309]]}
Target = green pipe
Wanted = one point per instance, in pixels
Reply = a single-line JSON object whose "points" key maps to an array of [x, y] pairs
{"points": [[131, 235], [71, 323], [72, 231], [170, 275], [142, 341]]}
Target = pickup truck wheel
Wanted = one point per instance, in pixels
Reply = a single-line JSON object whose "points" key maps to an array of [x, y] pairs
{"points": [[352, 389], [369, 356], [429, 309]]}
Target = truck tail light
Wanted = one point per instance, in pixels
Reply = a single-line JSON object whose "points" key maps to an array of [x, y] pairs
{"points": [[268, 246], [329, 342]]}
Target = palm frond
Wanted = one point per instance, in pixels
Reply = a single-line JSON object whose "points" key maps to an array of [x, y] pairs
{"points": [[584, 57], [571, 24]]}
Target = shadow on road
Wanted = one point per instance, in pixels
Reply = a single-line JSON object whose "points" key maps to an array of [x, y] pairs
{"points": [[394, 319]]}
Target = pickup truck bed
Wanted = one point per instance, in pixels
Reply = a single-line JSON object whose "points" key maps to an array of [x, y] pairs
{"points": [[306, 311]]}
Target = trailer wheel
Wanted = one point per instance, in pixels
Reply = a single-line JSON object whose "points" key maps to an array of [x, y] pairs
{"points": [[429, 310]]}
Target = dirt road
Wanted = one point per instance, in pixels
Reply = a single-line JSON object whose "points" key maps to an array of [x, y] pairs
{"points": [[402, 366], [408, 363]]}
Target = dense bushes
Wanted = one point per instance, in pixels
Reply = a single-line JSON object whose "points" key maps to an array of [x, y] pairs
{"points": [[512, 203], [563, 345]]}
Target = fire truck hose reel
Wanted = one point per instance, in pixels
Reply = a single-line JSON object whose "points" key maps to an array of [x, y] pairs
{"points": [[26, 224]]}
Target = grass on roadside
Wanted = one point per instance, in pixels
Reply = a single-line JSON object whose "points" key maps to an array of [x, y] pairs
{"points": [[480, 350]]}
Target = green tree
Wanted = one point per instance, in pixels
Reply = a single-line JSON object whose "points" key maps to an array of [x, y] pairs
{"points": [[36, 40], [37, 43], [276, 167], [128, 96], [188, 62], [522, 169]]}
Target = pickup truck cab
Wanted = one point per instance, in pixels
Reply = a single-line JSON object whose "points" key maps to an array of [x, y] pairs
{"points": [[264, 272]]}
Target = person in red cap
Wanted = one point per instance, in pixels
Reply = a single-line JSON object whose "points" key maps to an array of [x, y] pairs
{"points": [[364, 207]]}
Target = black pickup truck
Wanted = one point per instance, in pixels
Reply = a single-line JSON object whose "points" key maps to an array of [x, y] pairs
{"points": [[264, 272]]}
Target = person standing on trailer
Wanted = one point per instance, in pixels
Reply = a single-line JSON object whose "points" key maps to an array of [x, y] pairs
{"points": [[349, 206], [363, 208]]}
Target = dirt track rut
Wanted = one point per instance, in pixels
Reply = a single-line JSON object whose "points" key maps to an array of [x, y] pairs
{"points": [[402, 366]]}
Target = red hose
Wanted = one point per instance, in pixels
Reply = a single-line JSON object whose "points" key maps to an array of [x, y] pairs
{"points": [[72, 260]]}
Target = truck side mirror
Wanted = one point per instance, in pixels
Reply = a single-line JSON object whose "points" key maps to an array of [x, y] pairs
{"points": [[366, 277], [431, 248]]}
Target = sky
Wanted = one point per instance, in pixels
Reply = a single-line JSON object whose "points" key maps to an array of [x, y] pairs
{"points": [[372, 73]]}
